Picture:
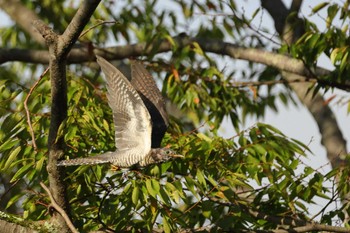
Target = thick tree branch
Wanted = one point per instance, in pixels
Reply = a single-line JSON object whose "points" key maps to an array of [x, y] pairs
{"points": [[23, 17], [24, 55], [7, 226], [11, 223], [278, 61], [332, 137], [76, 26], [59, 47], [279, 12]]}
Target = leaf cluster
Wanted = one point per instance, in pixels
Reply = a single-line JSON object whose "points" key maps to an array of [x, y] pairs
{"points": [[222, 183]]}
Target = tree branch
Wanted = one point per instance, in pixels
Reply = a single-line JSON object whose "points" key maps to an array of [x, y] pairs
{"points": [[58, 114], [59, 209], [279, 12], [278, 61], [76, 26], [321, 227], [271, 82], [332, 137], [11, 223], [27, 110], [59, 47], [24, 55]]}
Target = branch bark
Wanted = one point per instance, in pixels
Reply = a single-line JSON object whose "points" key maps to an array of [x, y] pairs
{"points": [[59, 46], [278, 61], [59, 209], [290, 31], [7, 227], [11, 223]]}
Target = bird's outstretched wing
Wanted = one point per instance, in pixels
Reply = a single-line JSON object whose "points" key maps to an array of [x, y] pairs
{"points": [[145, 85], [132, 120]]}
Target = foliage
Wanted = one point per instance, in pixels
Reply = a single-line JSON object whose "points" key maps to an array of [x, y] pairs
{"points": [[221, 182]]}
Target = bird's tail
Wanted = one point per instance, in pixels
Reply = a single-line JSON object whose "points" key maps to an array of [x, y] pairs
{"points": [[82, 161]]}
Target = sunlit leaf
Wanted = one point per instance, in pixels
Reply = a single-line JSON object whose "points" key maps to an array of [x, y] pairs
{"points": [[21, 172], [11, 158]]}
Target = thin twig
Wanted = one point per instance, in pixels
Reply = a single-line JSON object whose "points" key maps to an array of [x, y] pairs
{"points": [[96, 25], [7, 191], [99, 212], [27, 110], [59, 209], [331, 201]]}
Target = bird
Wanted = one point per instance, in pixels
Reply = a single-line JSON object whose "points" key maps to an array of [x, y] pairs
{"points": [[139, 117]]}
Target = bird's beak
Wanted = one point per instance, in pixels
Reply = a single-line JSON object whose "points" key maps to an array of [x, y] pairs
{"points": [[178, 156]]}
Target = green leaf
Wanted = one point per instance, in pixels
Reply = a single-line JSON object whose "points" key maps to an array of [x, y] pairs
{"points": [[164, 196], [172, 192], [21, 172], [166, 226], [39, 164], [308, 171], [344, 61], [13, 200], [204, 137], [332, 12], [78, 190], [212, 181], [72, 131], [106, 125], [170, 40], [135, 195], [190, 185], [11, 158], [153, 187], [10, 143], [319, 7], [61, 130], [207, 209], [270, 127], [259, 149], [197, 48], [255, 13], [200, 178], [334, 55], [11, 122]]}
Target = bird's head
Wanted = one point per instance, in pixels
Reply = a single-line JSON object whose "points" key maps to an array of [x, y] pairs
{"points": [[164, 154]]}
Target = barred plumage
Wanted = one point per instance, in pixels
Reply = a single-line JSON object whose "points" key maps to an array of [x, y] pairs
{"points": [[132, 120], [145, 85]]}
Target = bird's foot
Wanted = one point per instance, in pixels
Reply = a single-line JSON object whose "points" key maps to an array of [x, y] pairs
{"points": [[114, 168]]}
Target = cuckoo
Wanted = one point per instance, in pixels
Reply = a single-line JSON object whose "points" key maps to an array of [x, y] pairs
{"points": [[139, 116]]}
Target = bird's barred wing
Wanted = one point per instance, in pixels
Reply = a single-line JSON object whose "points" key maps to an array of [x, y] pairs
{"points": [[144, 83], [131, 118]]}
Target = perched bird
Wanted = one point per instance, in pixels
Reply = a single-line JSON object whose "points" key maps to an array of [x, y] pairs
{"points": [[139, 116]]}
